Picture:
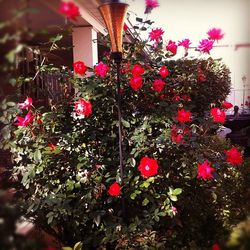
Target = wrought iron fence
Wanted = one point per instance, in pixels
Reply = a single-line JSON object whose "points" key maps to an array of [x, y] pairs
{"points": [[45, 87]]}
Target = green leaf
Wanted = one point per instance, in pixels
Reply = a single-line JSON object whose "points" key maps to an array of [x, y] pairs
{"points": [[132, 162], [177, 191], [170, 192], [5, 132], [145, 202], [37, 156], [50, 219], [78, 185], [126, 124], [67, 248], [133, 196], [12, 54], [167, 201], [158, 59], [26, 180], [78, 246], [49, 214], [156, 211], [70, 185], [162, 214], [151, 179], [173, 198], [157, 219], [214, 195], [56, 38], [30, 207], [149, 22], [97, 220], [4, 106], [145, 184], [138, 19], [10, 104]]}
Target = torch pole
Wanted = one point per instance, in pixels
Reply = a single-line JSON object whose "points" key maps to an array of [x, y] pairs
{"points": [[118, 58]]}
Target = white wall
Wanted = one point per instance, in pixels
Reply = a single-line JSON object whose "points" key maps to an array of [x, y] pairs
{"points": [[85, 45]]}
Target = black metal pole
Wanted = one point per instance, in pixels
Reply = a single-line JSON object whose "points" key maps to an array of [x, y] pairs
{"points": [[118, 58], [120, 122]]}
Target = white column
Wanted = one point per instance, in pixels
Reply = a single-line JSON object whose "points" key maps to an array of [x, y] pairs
{"points": [[85, 49]]}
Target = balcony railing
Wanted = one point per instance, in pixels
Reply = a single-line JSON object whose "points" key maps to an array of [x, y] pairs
{"points": [[241, 98]]}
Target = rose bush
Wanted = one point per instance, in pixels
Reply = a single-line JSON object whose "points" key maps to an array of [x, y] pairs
{"points": [[182, 183]]}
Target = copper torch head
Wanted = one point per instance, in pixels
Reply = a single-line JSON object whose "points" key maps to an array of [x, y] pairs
{"points": [[114, 14]]}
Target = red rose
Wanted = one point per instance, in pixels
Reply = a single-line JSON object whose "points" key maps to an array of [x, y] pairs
{"points": [[121, 90], [185, 43], [176, 136], [205, 46], [163, 72], [24, 122], [176, 98], [39, 121], [52, 146], [218, 115], [136, 82], [187, 132], [69, 9], [101, 69], [205, 171], [148, 167], [80, 68], [83, 107], [186, 98], [227, 105], [158, 85], [137, 70], [26, 104], [215, 34], [125, 27], [216, 247], [114, 189], [172, 47], [156, 34], [201, 77], [162, 97], [151, 4], [183, 116], [234, 157]]}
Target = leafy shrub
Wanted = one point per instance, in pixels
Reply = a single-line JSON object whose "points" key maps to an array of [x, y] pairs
{"points": [[67, 163], [240, 236]]}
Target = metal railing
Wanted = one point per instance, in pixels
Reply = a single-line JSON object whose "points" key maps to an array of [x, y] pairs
{"points": [[241, 98], [46, 87]]}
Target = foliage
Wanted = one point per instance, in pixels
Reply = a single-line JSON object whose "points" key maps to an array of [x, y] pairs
{"points": [[77, 246], [240, 236], [65, 186], [10, 215]]}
